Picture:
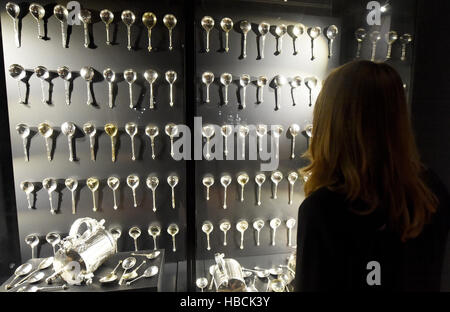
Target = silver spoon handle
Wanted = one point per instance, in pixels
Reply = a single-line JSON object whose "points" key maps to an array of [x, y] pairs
{"points": [[66, 91], [273, 236], [275, 191], [154, 243], [358, 50], [47, 146], [63, 35], [16, 33], [108, 42], [243, 147], [135, 245], [207, 239], [226, 146], [389, 53], [225, 238], [171, 95], [91, 143], [154, 200], [227, 48], [136, 279], [50, 198], [47, 288], [225, 198], [152, 101], [133, 156], [115, 200], [170, 40], [243, 97], [291, 193], [208, 155], [290, 237], [207, 41], [173, 198], [28, 200], [129, 38], [86, 39], [110, 94], [211, 284], [244, 54], [207, 94], [374, 51], [134, 198], [403, 57], [207, 193], [226, 95], [152, 143], [24, 141], [280, 42], [94, 207], [43, 91], [259, 195], [130, 87], [242, 241], [113, 150], [74, 209], [330, 48], [174, 243], [257, 238], [293, 148], [171, 147], [39, 29], [263, 44], [242, 193], [88, 86], [69, 140], [150, 48]]}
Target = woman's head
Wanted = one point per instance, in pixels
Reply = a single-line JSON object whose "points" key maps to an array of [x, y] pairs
{"points": [[364, 147]]}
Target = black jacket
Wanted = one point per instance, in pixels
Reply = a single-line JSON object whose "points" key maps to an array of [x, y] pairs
{"points": [[335, 245]]}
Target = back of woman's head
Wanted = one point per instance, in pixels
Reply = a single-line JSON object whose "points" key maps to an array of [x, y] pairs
{"points": [[363, 146]]}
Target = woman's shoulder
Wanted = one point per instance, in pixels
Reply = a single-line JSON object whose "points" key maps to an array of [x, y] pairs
{"points": [[322, 201]]}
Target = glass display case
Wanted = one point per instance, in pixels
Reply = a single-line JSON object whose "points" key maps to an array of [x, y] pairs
{"points": [[181, 124]]}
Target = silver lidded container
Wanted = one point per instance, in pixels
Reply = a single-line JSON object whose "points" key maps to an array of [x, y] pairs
{"points": [[228, 275], [85, 249]]}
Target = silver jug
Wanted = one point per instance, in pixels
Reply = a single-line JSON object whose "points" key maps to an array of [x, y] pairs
{"points": [[228, 275], [85, 249]]}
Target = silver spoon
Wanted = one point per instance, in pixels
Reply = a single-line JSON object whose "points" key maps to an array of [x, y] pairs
{"points": [[360, 35], [226, 79], [65, 74], [171, 77], [274, 224], [68, 129], [152, 132], [107, 18], [243, 132], [112, 130], [46, 131], [279, 81], [292, 178], [38, 12], [226, 131], [261, 82], [13, 11], [149, 272], [151, 76], [32, 240], [245, 28], [263, 29], [90, 130], [212, 269], [53, 239], [113, 184], [405, 40], [391, 38], [111, 276], [207, 24], [172, 131], [173, 230], [170, 21], [290, 223], [85, 17], [276, 178], [244, 81], [87, 73], [44, 264], [28, 188], [110, 77], [43, 74], [295, 84], [132, 129], [332, 32], [225, 226], [128, 18], [149, 20], [61, 13], [72, 184], [225, 181], [152, 183], [134, 233], [46, 288], [93, 183], [280, 30], [130, 76], [17, 72], [227, 25], [297, 31], [133, 183], [261, 131], [259, 180], [127, 264], [24, 131], [154, 231], [294, 130], [375, 36], [50, 184], [172, 181], [207, 79], [314, 33], [201, 283]]}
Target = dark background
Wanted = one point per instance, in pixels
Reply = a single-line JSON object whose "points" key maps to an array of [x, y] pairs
{"points": [[427, 68]]}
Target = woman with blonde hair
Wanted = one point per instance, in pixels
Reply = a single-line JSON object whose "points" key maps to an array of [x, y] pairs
{"points": [[374, 217]]}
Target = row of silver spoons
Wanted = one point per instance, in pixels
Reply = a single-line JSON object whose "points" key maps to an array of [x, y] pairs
{"points": [[295, 31], [18, 73], [261, 131], [61, 13], [276, 177], [50, 185], [69, 129], [242, 226], [375, 36], [244, 80]]}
